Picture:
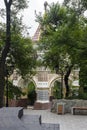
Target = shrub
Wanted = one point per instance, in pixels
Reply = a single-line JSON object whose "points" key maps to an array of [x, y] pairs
{"points": [[13, 91], [31, 93]]}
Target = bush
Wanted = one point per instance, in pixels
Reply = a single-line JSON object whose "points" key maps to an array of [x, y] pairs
{"points": [[83, 96], [13, 91], [32, 97], [31, 93], [57, 90], [78, 94]]}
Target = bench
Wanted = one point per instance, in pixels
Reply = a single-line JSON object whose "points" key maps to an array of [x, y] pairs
{"points": [[78, 108]]}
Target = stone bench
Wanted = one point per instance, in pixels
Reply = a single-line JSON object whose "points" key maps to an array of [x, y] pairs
{"points": [[9, 118], [78, 108], [33, 122], [11, 112]]}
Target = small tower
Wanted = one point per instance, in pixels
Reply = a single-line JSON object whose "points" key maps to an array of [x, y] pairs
{"points": [[36, 36]]}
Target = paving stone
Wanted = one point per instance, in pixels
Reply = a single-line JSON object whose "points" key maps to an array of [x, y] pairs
{"points": [[48, 126], [34, 127], [32, 122], [66, 121], [14, 128], [9, 119], [31, 119]]}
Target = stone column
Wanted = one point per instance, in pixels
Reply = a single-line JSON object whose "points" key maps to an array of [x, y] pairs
{"points": [[42, 101], [42, 95]]}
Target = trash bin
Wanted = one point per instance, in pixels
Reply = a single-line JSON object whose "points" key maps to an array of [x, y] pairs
{"points": [[60, 108]]}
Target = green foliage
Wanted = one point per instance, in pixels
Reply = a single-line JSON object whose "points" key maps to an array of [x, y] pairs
{"points": [[31, 93], [83, 96], [82, 59], [13, 91], [81, 49], [20, 5], [23, 54], [60, 36], [84, 3], [64, 38], [78, 93], [57, 90], [78, 5], [74, 94], [83, 77], [11, 6]]}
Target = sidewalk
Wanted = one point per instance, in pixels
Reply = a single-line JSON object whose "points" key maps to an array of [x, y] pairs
{"points": [[67, 121]]}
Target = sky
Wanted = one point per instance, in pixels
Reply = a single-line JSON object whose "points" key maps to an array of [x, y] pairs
{"points": [[29, 13], [29, 17]]}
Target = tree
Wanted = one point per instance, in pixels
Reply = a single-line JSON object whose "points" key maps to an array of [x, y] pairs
{"points": [[5, 50], [23, 55], [83, 62], [80, 7], [60, 37]]}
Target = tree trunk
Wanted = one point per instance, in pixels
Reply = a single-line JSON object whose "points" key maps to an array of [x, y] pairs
{"points": [[5, 51], [62, 85], [66, 79], [2, 84]]}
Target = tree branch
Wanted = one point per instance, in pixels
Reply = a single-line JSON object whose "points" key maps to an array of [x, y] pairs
{"points": [[10, 2], [5, 1]]}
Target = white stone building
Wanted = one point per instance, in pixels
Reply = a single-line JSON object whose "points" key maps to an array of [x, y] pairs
{"points": [[43, 80]]}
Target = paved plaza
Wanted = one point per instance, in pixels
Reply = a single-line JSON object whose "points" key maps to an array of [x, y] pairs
{"points": [[66, 121], [29, 119], [13, 119]]}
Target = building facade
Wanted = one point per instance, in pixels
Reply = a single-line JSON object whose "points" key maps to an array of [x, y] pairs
{"points": [[43, 80]]}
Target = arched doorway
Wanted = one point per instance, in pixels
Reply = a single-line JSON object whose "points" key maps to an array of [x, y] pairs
{"points": [[56, 90], [31, 93], [28, 86]]}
